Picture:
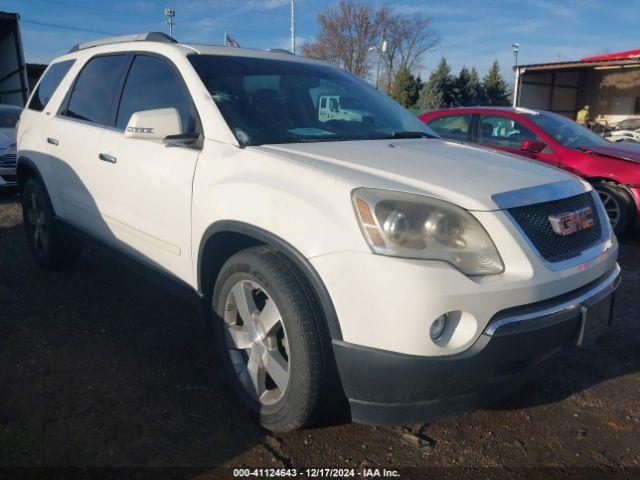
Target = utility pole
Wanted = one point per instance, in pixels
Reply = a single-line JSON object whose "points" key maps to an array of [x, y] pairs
{"points": [[293, 27], [381, 50], [516, 49], [170, 13]]}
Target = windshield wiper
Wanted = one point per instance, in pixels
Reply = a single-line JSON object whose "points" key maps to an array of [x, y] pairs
{"points": [[410, 134]]}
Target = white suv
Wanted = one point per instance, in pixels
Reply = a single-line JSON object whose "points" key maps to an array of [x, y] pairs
{"points": [[364, 259]]}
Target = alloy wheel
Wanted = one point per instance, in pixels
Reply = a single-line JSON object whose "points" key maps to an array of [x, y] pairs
{"points": [[257, 342], [611, 206], [37, 224]]}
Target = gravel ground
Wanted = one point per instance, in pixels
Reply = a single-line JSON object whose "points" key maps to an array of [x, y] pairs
{"points": [[99, 368]]}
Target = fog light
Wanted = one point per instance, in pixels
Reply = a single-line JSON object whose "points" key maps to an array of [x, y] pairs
{"points": [[438, 327]]}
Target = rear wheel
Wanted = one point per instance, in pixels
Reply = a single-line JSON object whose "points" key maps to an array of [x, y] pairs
{"points": [[268, 333], [617, 205], [52, 247]]}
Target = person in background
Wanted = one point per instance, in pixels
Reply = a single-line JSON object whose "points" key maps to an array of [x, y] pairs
{"points": [[583, 116]]}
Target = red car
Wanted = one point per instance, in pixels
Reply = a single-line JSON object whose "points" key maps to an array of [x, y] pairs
{"points": [[612, 168]]}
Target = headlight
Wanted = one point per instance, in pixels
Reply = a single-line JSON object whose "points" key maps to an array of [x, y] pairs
{"points": [[414, 226]]}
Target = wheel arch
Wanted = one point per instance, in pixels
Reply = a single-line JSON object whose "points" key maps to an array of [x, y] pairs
{"points": [[594, 180], [26, 169], [227, 237]]}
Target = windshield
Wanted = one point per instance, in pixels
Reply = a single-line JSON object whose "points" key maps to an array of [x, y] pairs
{"points": [[9, 117], [266, 101], [565, 131]]}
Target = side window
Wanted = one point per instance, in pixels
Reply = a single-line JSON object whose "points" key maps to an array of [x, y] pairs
{"points": [[152, 84], [455, 127], [95, 89], [499, 131], [333, 105], [49, 84]]}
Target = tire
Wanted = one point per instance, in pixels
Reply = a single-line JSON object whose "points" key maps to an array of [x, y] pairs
{"points": [[278, 357], [51, 246], [618, 205]]}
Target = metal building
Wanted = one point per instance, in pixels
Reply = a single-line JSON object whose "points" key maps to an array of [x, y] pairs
{"points": [[609, 84]]}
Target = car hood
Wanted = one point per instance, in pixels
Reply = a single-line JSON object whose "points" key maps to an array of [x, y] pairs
{"points": [[462, 174], [622, 150], [7, 137]]}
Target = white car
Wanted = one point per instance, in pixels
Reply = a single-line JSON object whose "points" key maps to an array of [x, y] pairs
{"points": [[627, 130], [373, 261], [9, 115]]}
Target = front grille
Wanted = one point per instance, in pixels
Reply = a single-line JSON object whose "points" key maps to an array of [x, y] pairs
{"points": [[534, 222], [8, 161]]}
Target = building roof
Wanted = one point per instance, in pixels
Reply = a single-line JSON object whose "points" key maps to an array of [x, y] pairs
{"points": [[627, 57], [627, 54]]}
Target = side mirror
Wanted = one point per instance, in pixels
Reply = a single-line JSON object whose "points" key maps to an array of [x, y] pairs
{"points": [[154, 124], [533, 146]]}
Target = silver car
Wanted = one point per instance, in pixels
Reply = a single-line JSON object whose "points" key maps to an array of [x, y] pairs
{"points": [[9, 115]]}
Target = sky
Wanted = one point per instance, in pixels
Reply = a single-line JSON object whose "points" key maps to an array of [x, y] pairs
{"points": [[472, 33]]}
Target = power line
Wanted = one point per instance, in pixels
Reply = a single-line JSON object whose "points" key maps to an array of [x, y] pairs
{"points": [[66, 27]]}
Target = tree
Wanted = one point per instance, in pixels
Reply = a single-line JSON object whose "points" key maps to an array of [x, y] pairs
{"points": [[414, 91], [475, 89], [462, 92], [350, 29], [495, 88], [403, 83], [408, 38], [347, 31], [439, 89]]}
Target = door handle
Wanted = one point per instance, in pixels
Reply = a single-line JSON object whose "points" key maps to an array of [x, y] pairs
{"points": [[52, 141], [107, 158]]}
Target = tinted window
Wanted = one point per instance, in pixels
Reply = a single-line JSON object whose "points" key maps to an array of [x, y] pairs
{"points": [[499, 131], [96, 88], [566, 132], [455, 127], [49, 83], [151, 84], [277, 101]]}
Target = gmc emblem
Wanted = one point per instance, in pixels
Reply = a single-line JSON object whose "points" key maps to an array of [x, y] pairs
{"points": [[570, 222]]}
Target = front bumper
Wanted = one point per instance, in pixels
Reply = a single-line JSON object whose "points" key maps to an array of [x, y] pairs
{"points": [[635, 193], [8, 177], [387, 388]]}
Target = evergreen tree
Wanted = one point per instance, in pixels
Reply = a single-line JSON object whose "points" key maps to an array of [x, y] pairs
{"points": [[403, 84], [414, 91], [496, 89], [463, 93], [439, 90], [476, 91]]}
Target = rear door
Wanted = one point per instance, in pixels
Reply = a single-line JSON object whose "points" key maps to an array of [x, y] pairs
{"points": [[507, 134], [73, 137], [453, 126], [143, 187]]}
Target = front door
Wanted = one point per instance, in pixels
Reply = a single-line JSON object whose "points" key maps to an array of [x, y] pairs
{"points": [[506, 134], [144, 187]]}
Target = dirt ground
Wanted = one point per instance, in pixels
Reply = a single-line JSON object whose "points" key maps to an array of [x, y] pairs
{"points": [[99, 368]]}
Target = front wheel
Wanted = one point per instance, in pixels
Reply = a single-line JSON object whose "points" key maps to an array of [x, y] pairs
{"points": [[271, 342], [617, 205]]}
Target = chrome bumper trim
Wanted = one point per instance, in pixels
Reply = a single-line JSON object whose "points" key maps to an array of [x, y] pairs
{"points": [[557, 313]]}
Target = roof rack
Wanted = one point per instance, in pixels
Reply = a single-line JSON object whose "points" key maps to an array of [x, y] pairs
{"points": [[136, 37], [279, 50]]}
